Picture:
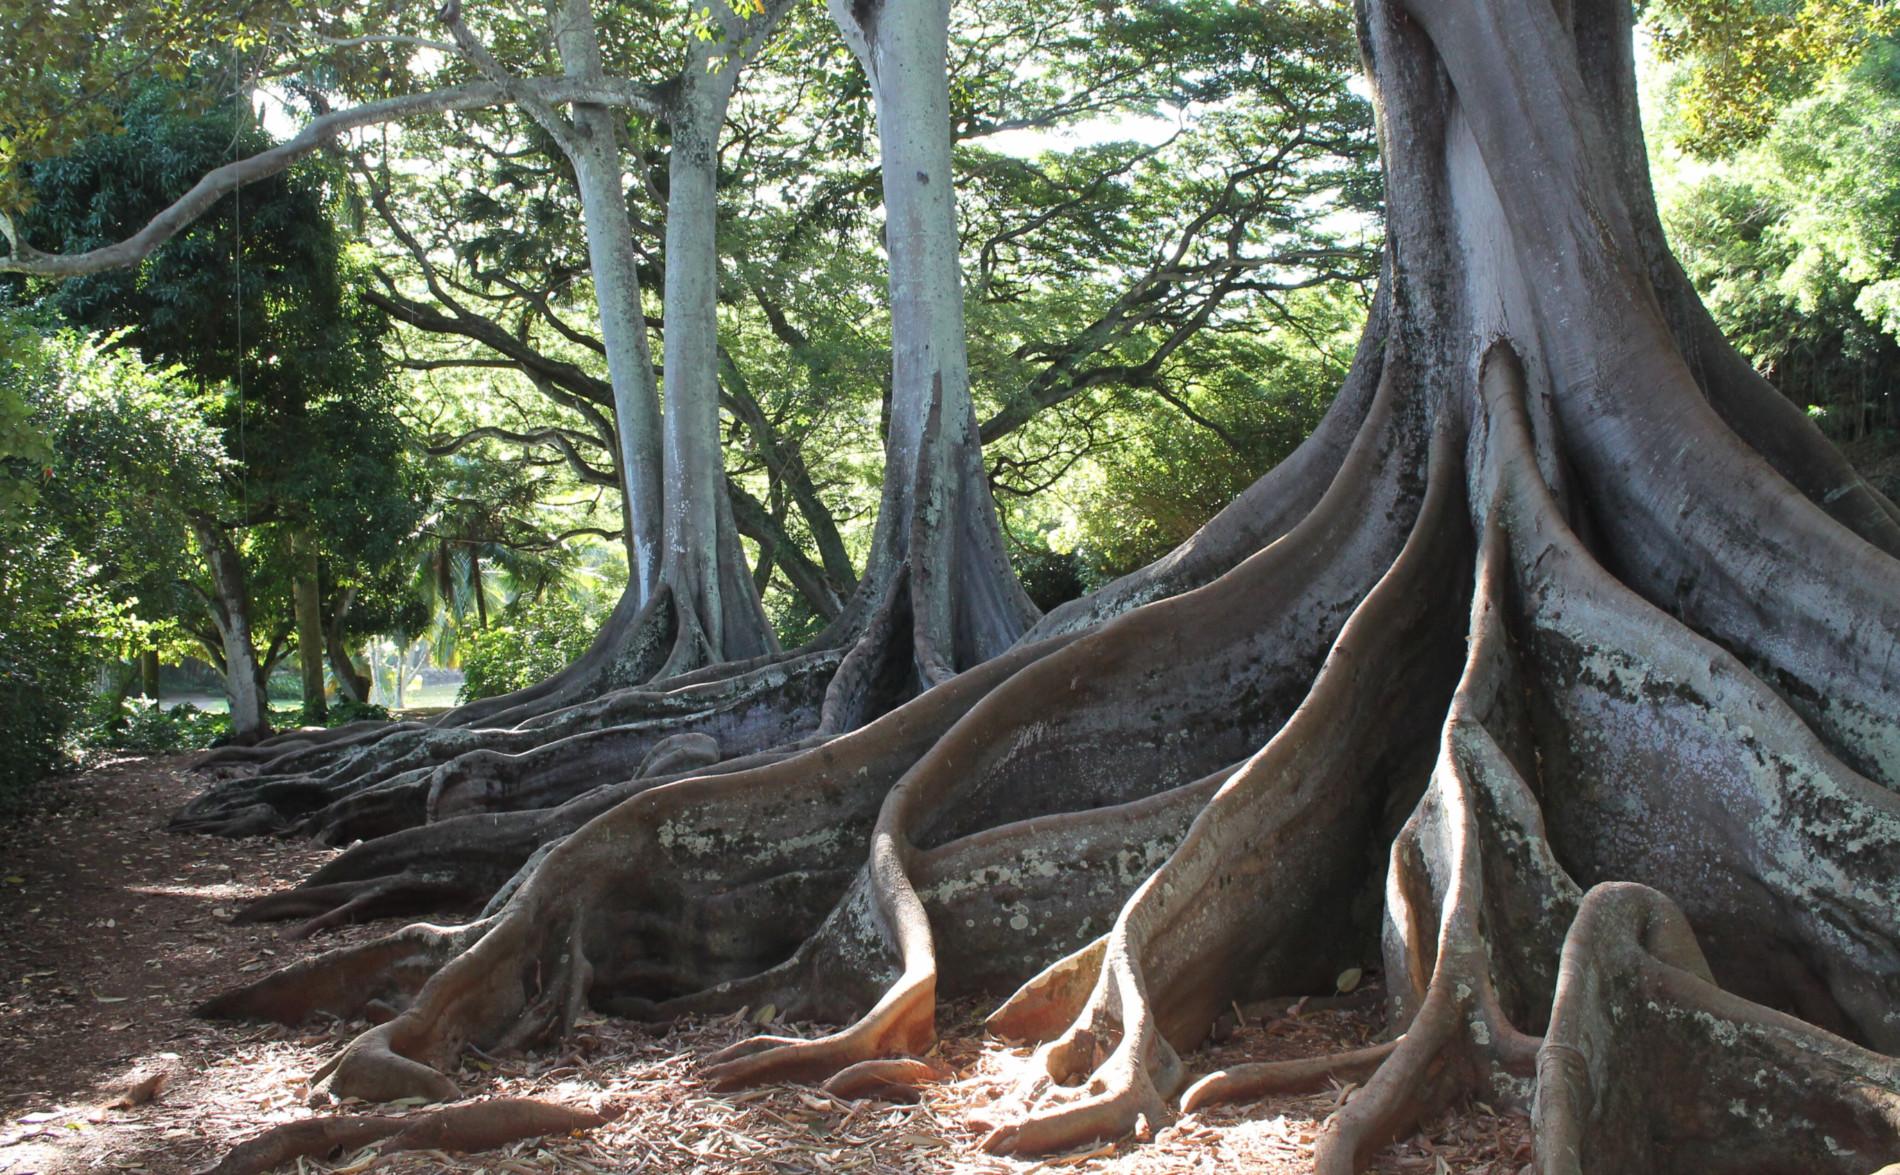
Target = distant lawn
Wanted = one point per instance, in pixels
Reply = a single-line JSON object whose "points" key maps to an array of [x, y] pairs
{"points": [[438, 696], [441, 695]]}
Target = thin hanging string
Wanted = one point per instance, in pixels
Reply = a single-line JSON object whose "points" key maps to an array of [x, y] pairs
{"points": [[237, 269]]}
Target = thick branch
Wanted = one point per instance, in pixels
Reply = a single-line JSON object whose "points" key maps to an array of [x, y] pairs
{"points": [[221, 181]]}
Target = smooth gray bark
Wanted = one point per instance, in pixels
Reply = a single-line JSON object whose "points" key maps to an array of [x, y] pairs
{"points": [[719, 614], [938, 542], [594, 150], [231, 613]]}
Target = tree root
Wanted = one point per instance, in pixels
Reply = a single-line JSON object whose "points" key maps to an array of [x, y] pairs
{"points": [[297, 741], [344, 982], [1286, 826], [511, 983], [1667, 763], [477, 1126], [1649, 1066], [461, 862], [419, 775]]}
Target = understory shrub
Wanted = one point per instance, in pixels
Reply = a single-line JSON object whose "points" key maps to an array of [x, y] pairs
{"points": [[533, 642]]}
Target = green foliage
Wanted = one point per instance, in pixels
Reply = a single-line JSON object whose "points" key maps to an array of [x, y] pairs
{"points": [[114, 452], [24, 450], [1746, 59], [155, 729], [1050, 577], [345, 712], [256, 298], [1241, 405], [536, 639], [279, 357], [68, 66], [1790, 242], [47, 649]]}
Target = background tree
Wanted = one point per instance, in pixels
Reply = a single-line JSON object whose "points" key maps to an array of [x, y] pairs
{"points": [[1789, 232], [1226, 242], [103, 465], [254, 300]]}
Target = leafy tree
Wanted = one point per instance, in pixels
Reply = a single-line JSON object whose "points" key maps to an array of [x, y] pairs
{"points": [[533, 638], [106, 463], [1550, 673], [1232, 408], [1745, 59], [256, 302], [1790, 239]]}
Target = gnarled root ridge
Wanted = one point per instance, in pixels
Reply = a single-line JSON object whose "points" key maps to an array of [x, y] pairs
{"points": [[1557, 702], [476, 1126], [417, 774]]}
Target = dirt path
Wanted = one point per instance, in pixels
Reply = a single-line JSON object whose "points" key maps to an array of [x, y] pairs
{"points": [[111, 930]]}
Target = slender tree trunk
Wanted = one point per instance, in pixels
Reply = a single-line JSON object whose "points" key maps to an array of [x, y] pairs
{"points": [[148, 674], [598, 173], [595, 155], [231, 611], [696, 603], [310, 642], [719, 617], [351, 683]]}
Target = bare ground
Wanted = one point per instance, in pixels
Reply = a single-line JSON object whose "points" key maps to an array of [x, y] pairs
{"points": [[111, 929]]}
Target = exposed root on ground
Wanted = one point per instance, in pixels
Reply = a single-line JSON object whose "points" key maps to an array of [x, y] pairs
{"points": [[477, 1126], [416, 775]]}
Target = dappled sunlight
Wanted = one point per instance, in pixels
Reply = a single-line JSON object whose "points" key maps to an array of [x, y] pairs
{"points": [[213, 891]]}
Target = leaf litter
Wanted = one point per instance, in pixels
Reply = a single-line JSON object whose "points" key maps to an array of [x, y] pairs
{"points": [[116, 928]]}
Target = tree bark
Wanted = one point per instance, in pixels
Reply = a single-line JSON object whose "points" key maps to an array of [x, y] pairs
{"points": [[148, 674], [1557, 700], [599, 175], [719, 617], [938, 594], [244, 675], [310, 642], [694, 603], [351, 682]]}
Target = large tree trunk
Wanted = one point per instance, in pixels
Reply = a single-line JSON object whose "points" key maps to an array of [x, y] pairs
{"points": [[938, 594], [244, 676], [1570, 701]]}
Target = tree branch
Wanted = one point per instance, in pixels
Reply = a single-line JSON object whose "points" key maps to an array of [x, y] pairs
{"points": [[219, 182]]}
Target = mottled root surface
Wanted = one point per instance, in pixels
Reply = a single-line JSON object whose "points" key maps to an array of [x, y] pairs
{"points": [[477, 1126], [1566, 698]]}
